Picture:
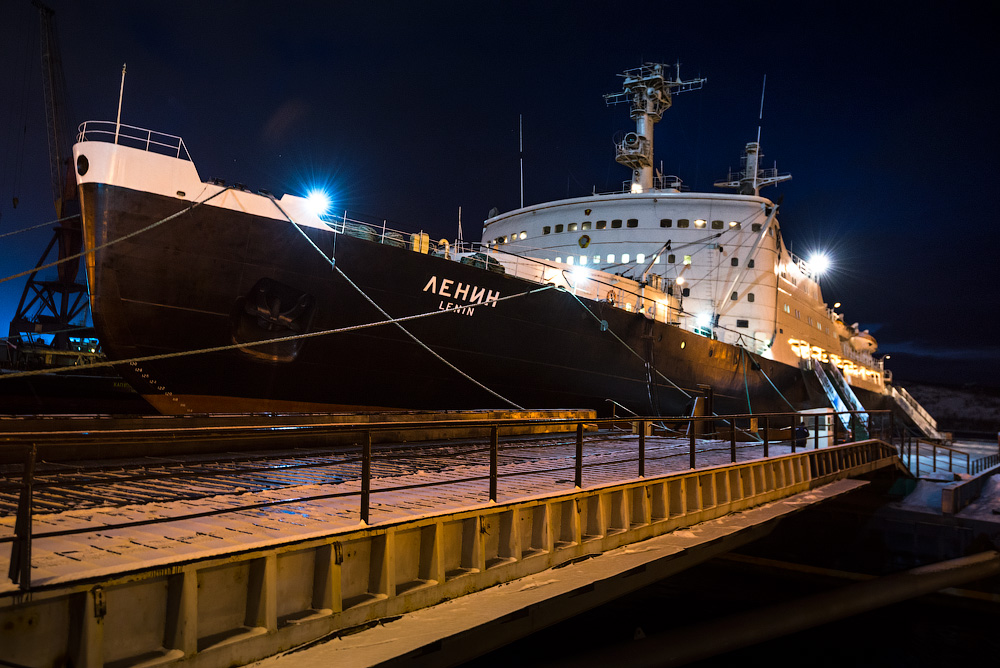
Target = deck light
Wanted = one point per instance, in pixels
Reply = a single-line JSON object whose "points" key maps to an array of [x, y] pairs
{"points": [[819, 263], [319, 202]]}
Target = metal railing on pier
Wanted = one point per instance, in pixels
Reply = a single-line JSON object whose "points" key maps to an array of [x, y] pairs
{"points": [[710, 441]]}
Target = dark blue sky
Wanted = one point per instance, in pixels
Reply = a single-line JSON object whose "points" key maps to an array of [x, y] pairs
{"points": [[884, 116]]}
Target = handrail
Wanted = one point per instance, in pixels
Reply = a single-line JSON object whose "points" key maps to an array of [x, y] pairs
{"points": [[766, 424], [135, 137]]}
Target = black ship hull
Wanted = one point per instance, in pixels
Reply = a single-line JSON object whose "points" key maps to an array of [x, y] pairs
{"points": [[215, 277]]}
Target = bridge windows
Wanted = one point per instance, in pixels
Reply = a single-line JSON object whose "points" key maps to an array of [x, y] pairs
{"points": [[666, 222]]}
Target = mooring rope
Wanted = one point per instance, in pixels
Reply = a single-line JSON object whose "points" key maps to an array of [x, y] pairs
{"points": [[90, 251], [235, 346], [333, 263]]}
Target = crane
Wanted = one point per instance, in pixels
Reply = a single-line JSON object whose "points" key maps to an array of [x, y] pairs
{"points": [[51, 306]]}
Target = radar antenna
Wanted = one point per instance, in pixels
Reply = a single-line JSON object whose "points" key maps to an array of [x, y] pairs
{"points": [[649, 90]]}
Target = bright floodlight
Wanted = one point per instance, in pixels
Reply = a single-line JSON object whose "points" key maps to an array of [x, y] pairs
{"points": [[319, 202], [819, 263]]}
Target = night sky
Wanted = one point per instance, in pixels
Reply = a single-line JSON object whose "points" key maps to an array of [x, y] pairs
{"points": [[885, 117]]}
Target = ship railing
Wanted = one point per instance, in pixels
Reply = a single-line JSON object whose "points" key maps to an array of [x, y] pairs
{"points": [[135, 137], [665, 182], [710, 440]]}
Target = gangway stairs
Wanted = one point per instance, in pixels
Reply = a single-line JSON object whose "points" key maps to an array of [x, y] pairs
{"points": [[841, 397], [915, 412]]}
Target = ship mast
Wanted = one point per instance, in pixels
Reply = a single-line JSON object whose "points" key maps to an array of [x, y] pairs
{"points": [[649, 90]]}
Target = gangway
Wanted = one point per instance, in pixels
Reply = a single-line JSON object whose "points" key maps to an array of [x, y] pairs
{"points": [[858, 414], [842, 399], [915, 412]]}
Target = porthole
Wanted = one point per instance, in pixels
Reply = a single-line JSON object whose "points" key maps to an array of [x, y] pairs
{"points": [[82, 165], [683, 345]]}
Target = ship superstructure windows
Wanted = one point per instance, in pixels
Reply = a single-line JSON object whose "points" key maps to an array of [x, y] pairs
{"points": [[687, 259], [585, 225], [671, 259], [666, 222], [601, 224], [547, 230], [611, 258], [734, 225], [734, 261], [750, 263], [572, 227], [625, 258], [640, 258], [788, 309], [559, 228], [734, 296], [755, 227], [717, 224], [616, 223], [699, 223], [683, 222], [632, 222], [750, 297], [523, 235]]}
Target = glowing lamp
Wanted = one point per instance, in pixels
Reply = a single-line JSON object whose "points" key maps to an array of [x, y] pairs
{"points": [[819, 263], [319, 202]]}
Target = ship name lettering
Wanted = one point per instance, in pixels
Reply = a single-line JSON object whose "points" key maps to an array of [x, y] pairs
{"points": [[474, 294], [457, 308]]}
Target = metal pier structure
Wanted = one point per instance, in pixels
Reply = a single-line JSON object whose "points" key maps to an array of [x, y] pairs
{"points": [[574, 518]]}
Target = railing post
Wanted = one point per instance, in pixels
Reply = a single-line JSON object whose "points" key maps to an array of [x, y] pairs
{"points": [[793, 432], [854, 426], [933, 457], [949, 461], [691, 443], [816, 432], [732, 440], [836, 425], [494, 448], [19, 570], [579, 455], [765, 429], [642, 448], [366, 475]]}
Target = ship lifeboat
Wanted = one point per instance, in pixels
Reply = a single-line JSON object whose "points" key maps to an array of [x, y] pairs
{"points": [[863, 342]]}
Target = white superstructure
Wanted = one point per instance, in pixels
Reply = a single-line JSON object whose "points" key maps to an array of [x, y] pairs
{"points": [[718, 258]]}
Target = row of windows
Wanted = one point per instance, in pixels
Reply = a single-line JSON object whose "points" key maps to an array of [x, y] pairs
{"points": [[809, 320], [631, 222], [702, 223], [586, 225], [641, 258]]}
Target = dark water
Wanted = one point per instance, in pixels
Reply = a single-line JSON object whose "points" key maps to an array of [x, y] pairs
{"points": [[930, 631]]}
